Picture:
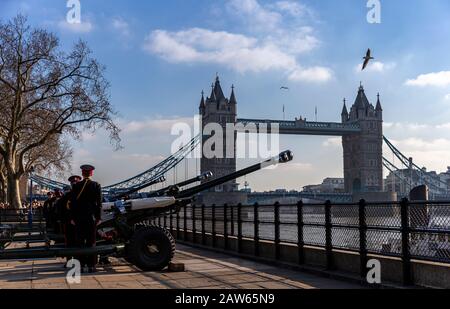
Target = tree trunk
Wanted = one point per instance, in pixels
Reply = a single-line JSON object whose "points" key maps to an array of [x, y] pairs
{"points": [[14, 192], [2, 192], [2, 188]]}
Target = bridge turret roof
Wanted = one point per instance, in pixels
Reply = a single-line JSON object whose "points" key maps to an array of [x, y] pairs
{"points": [[232, 97], [212, 97], [378, 108], [202, 101], [218, 90], [344, 109], [361, 101]]}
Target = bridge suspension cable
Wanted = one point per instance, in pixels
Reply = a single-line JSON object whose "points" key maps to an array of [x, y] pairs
{"points": [[140, 181], [434, 183]]}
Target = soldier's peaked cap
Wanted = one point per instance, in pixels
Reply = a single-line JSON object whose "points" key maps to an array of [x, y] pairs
{"points": [[75, 178], [87, 168]]}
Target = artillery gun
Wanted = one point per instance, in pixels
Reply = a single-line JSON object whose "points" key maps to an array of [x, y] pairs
{"points": [[123, 231]]}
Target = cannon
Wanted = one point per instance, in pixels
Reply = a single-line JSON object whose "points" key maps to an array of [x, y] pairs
{"points": [[124, 232]]}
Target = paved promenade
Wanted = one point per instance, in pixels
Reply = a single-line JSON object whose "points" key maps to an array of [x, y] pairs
{"points": [[203, 270]]}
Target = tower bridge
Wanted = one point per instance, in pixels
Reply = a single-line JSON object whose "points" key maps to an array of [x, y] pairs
{"points": [[362, 138], [361, 129]]}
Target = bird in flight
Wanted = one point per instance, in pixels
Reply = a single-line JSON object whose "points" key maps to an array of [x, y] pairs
{"points": [[284, 88], [367, 58]]}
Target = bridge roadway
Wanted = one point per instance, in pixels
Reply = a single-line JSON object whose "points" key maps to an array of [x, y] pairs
{"points": [[204, 270], [300, 127]]}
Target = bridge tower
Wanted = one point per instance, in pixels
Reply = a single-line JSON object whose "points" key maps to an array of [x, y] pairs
{"points": [[219, 109], [363, 152]]}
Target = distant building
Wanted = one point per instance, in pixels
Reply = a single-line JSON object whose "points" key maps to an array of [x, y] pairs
{"points": [[329, 185], [404, 180]]}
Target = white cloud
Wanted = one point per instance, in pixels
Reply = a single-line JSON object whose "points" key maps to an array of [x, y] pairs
{"points": [[438, 79], [83, 27], [275, 43], [121, 26], [447, 97], [376, 67], [333, 142], [254, 15], [314, 74], [239, 52], [291, 7], [152, 125]]}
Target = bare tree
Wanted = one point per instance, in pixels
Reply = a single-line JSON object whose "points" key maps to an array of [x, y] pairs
{"points": [[46, 94]]}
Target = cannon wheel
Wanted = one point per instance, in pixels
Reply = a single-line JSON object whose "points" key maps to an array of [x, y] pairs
{"points": [[151, 248]]}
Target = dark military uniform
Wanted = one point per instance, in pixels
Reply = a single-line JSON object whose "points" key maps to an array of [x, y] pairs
{"points": [[86, 206], [64, 216], [49, 212]]}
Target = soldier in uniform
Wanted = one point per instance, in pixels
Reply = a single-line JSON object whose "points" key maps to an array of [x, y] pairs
{"points": [[63, 207], [86, 206], [47, 208]]}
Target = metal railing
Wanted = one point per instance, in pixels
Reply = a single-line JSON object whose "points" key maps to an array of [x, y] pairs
{"points": [[20, 216], [407, 230]]}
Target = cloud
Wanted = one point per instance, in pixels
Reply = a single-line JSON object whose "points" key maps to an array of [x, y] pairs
{"points": [[121, 26], [376, 67], [236, 51], [254, 15], [152, 125], [447, 97], [274, 43], [314, 74], [83, 27], [333, 142], [438, 79], [291, 7]]}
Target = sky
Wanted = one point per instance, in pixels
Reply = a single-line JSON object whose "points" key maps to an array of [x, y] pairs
{"points": [[160, 55]]}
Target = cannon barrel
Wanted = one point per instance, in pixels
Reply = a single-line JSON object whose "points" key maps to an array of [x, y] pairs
{"points": [[141, 187], [283, 157], [176, 187]]}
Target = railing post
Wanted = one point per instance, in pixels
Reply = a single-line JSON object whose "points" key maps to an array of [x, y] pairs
{"points": [[406, 256], [213, 225], [203, 226], [239, 227], [194, 229], [362, 239], [276, 210], [159, 221], [165, 221], [300, 240], [256, 228], [328, 236], [225, 226], [178, 223], [185, 224], [232, 220]]}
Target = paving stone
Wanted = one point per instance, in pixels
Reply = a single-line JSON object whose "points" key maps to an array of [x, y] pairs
{"points": [[204, 269]]}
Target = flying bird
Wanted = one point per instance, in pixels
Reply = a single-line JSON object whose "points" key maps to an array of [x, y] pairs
{"points": [[284, 88], [367, 58]]}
